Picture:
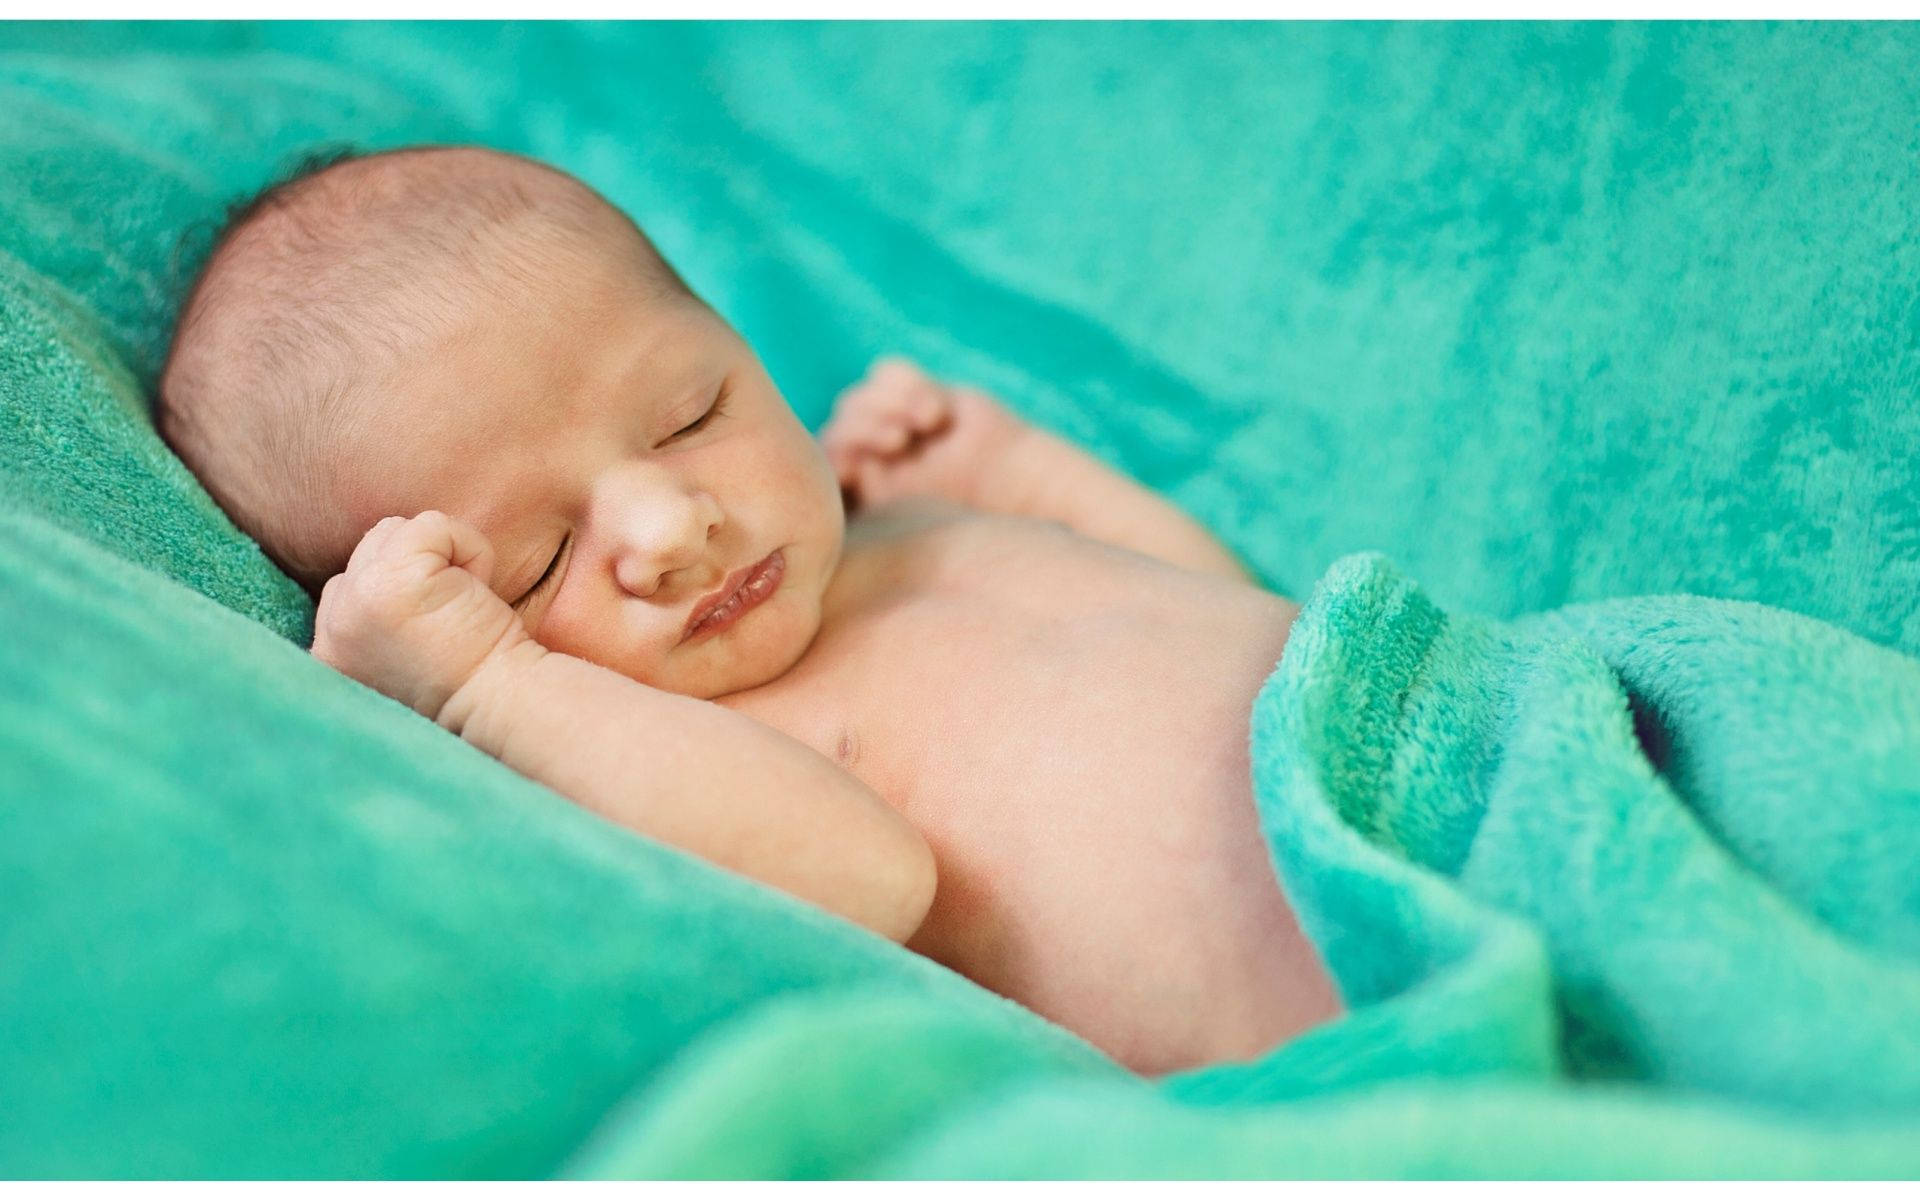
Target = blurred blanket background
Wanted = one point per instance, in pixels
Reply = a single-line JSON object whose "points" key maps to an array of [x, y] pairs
{"points": [[1550, 315]]}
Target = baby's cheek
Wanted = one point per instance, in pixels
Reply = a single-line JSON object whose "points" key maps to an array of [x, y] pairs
{"points": [[814, 485], [575, 625]]}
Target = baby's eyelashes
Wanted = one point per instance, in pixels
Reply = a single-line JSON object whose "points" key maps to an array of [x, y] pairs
{"points": [[705, 418], [548, 576]]}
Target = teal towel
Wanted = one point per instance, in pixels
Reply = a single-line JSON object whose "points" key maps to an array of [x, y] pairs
{"points": [[263, 922], [1697, 820], [1635, 878], [1546, 312], [1549, 314]]}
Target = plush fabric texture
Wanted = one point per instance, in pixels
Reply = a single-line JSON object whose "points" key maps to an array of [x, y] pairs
{"points": [[1551, 315], [262, 921]]}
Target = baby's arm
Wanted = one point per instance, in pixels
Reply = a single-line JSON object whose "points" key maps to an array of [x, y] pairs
{"points": [[901, 433], [1045, 476], [413, 617]]}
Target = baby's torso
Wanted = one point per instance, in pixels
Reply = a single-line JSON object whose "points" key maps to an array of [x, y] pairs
{"points": [[1066, 724]]}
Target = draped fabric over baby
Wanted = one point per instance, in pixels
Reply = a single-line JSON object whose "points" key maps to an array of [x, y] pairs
{"points": [[1569, 321]]}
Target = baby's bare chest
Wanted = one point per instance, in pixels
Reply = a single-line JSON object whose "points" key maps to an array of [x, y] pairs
{"points": [[1008, 663], [1068, 728], [1066, 724]]}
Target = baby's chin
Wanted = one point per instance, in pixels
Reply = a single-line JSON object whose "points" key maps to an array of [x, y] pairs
{"points": [[764, 645]]}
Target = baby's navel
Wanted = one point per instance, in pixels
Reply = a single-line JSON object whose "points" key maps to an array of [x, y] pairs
{"points": [[847, 751]]}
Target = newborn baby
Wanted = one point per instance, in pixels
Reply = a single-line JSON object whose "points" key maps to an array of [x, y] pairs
{"points": [[938, 672]]}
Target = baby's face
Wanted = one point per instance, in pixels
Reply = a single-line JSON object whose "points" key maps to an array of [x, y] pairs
{"points": [[626, 455]]}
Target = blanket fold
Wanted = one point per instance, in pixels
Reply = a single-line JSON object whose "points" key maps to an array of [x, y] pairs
{"points": [[1698, 816]]}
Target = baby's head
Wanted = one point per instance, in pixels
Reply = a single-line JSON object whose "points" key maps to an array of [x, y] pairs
{"points": [[464, 330]]}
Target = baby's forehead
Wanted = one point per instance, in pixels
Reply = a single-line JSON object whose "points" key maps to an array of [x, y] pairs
{"points": [[512, 383]]}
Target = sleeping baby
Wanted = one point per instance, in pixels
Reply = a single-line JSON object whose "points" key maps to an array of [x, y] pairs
{"points": [[937, 671]]}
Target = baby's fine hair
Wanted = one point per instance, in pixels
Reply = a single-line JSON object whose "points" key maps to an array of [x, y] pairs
{"points": [[336, 270]]}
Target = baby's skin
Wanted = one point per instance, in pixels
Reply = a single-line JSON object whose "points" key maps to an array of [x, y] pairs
{"points": [[977, 693]]}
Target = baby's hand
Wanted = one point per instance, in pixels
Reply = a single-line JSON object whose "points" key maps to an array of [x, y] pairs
{"points": [[413, 616], [899, 433]]}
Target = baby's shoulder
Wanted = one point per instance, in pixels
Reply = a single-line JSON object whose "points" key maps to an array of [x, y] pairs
{"points": [[908, 554], [904, 542], [900, 519]]}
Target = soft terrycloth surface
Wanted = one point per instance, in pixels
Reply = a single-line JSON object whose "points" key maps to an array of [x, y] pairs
{"points": [[261, 921], [1547, 313]]}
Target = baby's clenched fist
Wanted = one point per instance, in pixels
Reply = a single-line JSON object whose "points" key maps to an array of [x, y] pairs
{"points": [[413, 615], [899, 432]]}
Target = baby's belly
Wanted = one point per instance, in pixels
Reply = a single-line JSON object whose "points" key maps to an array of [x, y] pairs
{"points": [[1067, 725], [1102, 860]]}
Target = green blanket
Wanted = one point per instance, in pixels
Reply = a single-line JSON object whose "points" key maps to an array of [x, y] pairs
{"points": [[1551, 315]]}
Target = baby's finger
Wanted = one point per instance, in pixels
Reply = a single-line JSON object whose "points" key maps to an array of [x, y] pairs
{"points": [[891, 438], [860, 406], [375, 542], [929, 410], [455, 541], [899, 386], [841, 456], [862, 431], [903, 392], [897, 368], [836, 436]]}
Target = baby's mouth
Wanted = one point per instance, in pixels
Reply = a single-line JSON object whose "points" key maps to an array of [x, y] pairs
{"points": [[742, 591]]}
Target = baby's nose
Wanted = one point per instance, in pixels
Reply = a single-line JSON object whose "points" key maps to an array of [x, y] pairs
{"points": [[667, 535]]}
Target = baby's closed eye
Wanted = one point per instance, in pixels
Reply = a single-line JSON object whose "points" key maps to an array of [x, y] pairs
{"points": [[713, 410], [549, 576]]}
